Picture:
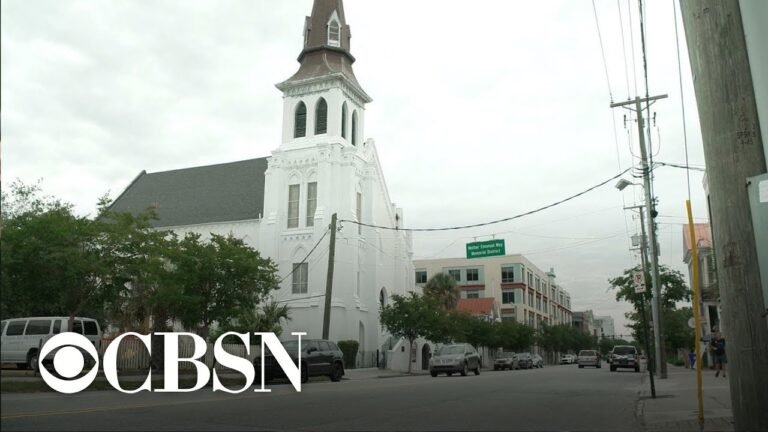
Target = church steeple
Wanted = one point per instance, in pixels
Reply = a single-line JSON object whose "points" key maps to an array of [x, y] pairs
{"points": [[326, 50]]}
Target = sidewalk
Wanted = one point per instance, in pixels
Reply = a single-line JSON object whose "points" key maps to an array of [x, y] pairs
{"points": [[676, 405], [374, 373]]}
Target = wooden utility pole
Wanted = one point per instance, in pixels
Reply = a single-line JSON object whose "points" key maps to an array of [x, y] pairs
{"points": [[656, 303], [733, 151], [329, 280]]}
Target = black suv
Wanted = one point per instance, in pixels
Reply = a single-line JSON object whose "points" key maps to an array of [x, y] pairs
{"points": [[318, 357]]}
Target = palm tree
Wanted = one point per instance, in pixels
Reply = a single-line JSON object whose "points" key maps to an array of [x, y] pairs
{"points": [[269, 318], [443, 289]]}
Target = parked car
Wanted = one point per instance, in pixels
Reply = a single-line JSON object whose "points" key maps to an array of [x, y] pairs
{"points": [[525, 360], [506, 360], [318, 358], [589, 358], [567, 359], [624, 356], [537, 361], [22, 337], [457, 358]]}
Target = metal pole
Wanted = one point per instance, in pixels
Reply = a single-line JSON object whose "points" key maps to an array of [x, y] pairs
{"points": [[655, 279], [329, 280], [644, 322]]}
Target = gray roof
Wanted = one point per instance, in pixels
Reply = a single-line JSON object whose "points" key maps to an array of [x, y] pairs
{"points": [[214, 193]]}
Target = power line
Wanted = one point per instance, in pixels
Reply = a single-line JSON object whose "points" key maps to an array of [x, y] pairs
{"points": [[682, 99], [602, 50], [494, 221], [295, 266], [623, 45], [685, 167]]}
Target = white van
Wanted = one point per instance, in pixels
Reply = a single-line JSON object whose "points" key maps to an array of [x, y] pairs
{"points": [[22, 337]]}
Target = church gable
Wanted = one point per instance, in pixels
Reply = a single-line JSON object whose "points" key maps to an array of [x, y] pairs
{"points": [[207, 194]]}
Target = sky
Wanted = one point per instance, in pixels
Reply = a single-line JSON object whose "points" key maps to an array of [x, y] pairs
{"points": [[480, 111]]}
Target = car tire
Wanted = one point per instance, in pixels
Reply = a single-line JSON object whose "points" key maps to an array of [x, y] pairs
{"points": [[336, 372], [613, 369], [497, 368], [598, 366], [433, 373], [581, 366], [464, 370], [449, 373], [304, 373], [477, 370], [32, 361], [637, 368]]}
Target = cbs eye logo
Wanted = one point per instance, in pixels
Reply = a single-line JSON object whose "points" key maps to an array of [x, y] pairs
{"points": [[68, 362]]}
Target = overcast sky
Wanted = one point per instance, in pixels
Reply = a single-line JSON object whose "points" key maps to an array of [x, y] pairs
{"points": [[481, 110]]}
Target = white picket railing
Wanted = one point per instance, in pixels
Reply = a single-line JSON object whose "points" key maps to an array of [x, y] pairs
{"points": [[133, 355]]}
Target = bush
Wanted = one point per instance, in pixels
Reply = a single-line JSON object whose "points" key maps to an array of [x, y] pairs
{"points": [[349, 349]]}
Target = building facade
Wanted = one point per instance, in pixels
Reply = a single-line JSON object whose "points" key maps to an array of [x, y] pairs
{"points": [[282, 204], [585, 321], [709, 302], [605, 327], [524, 292]]}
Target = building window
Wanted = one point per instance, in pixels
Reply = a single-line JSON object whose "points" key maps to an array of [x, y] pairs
{"points": [[300, 121], [530, 280], [507, 274], [530, 299], [357, 290], [538, 284], [473, 275], [455, 274], [473, 294], [359, 210], [311, 203], [293, 206], [421, 276], [344, 120], [300, 278], [334, 33], [321, 117], [354, 128], [507, 297]]}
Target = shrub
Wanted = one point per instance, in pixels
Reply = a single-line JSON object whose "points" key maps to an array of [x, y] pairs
{"points": [[349, 350]]}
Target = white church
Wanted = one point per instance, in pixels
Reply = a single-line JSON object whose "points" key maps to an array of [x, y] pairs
{"points": [[282, 204]]}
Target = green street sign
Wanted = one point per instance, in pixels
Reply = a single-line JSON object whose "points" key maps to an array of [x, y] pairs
{"points": [[486, 249]]}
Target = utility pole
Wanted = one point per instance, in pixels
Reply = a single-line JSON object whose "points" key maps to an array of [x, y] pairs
{"points": [[329, 280], [656, 304], [733, 152], [644, 322]]}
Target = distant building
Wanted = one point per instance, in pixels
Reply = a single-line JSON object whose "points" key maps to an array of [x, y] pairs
{"points": [[605, 327], [485, 308], [524, 292], [585, 321], [708, 287]]}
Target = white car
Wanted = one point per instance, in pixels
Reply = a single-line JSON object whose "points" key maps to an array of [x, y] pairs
{"points": [[567, 359], [22, 337]]}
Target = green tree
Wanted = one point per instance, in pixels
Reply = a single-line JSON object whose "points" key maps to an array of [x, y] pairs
{"points": [[217, 279], [51, 258], [267, 318], [411, 317], [443, 289]]}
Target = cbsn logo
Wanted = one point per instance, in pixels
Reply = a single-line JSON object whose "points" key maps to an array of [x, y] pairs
{"points": [[68, 362]]}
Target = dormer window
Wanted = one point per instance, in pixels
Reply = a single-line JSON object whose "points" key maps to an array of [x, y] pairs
{"points": [[334, 33]]}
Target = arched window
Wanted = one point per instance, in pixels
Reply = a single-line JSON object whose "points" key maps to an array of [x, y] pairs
{"points": [[321, 117], [383, 297], [344, 120], [300, 121], [354, 128], [334, 33]]}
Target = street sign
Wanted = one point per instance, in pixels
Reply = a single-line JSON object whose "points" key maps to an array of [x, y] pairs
{"points": [[639, 279], [486, 249]]}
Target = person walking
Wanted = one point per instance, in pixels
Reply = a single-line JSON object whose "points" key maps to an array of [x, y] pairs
{"points": [[718, 347]]}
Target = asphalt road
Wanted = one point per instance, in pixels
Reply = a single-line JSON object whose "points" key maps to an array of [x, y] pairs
{"points": [[563, 398]]}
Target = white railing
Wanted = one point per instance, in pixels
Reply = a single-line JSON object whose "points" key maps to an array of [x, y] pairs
{"points": [[133, 355]]}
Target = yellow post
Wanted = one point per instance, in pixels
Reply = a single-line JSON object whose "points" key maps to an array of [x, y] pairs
{"points": [[696, 317]]}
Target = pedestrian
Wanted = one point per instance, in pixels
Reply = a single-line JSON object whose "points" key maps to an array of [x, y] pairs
{"points": [[718, 346], [692, 359]]}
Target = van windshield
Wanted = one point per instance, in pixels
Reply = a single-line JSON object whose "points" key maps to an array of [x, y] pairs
{"points": [[624, 350]]}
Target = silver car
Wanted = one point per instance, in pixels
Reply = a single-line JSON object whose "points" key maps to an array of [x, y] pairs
{"points": [[458, 358], [506, 360], [589, 358]]}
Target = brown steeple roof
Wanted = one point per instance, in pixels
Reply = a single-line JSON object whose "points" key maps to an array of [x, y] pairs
{"points": [[318, 58]]}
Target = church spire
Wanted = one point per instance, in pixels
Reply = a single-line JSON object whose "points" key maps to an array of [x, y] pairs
{"points": [[326, 50]]}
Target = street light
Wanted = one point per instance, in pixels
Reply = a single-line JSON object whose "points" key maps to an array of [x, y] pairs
{"points": [[655, 279]]}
